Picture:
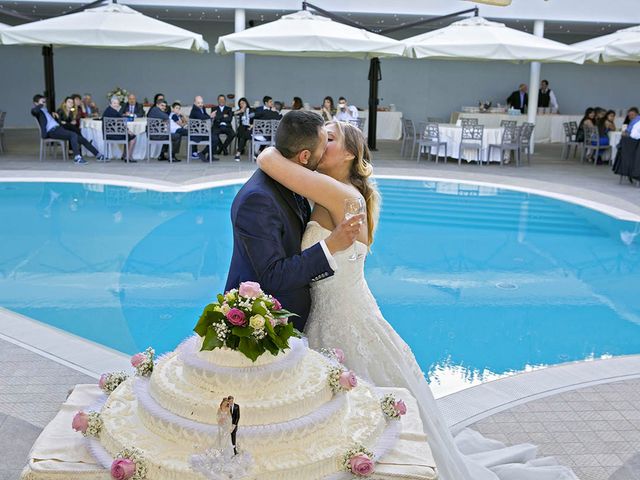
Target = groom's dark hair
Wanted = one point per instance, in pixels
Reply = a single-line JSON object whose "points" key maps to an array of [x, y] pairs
{"points": [[297, 131]]}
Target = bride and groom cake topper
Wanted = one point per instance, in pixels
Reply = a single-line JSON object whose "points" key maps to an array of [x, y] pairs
{"points": [[228, 417]]}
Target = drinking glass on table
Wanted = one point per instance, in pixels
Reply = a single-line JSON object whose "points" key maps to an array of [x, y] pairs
{"points": [[353, 207]]}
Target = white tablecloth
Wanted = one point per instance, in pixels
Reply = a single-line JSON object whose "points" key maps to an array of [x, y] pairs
{"points": [[92, 131], [389, 126], [614, 140], [452, 134]]}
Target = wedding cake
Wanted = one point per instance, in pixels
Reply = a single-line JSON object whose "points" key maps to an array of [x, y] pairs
{"points": [[303, 415]]}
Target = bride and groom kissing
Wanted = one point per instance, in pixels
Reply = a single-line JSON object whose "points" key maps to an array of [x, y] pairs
{"points": [[312, 260]]}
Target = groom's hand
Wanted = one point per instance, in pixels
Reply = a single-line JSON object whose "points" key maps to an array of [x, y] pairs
{"points": [[345, 234]]}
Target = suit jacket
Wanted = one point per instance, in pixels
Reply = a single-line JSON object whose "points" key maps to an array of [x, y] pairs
{"points": [[262, 113], [37, 112], [235, 414], [199, 114], [111, 112], [138, 112], [267, 232], [514, 101], [224, 116], [155, 112]]}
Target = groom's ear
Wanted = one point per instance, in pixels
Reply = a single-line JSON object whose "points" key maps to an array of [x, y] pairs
{"points": [[303, 157]]}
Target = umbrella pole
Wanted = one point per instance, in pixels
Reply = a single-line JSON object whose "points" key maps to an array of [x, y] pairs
{"points": [[49, 82], [375, 75]]}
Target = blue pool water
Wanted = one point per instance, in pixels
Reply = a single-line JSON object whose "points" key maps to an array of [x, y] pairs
{"points": [[480, 282]]}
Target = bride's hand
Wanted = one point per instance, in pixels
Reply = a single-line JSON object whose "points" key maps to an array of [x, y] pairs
{"points": [[345, 233]]}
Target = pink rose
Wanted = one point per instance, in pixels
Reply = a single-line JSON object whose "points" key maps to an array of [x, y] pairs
{"points": [[361, 465], [348, 380], [400, 407], [276, 305], [138, 359], [123, 469], [250, 289], [80, 422], [339, 354], [236, 317], [103, 380]]}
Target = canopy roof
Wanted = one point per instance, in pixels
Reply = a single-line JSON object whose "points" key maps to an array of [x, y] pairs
{"points": [[111, 26], [305, 34], [476, 38], [620, 46]]}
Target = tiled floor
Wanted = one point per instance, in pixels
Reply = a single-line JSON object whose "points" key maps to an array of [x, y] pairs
{"points": [[594, 430]]}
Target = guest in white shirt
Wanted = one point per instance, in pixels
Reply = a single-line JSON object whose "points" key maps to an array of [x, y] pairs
{"points": [[346, 112], [633, 129]]}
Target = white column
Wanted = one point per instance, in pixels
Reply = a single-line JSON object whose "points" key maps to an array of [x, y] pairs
{"points": [[240, 60], [534, 82]]}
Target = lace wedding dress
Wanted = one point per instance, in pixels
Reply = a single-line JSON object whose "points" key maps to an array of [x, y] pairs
{"points": [[345, 314], [225, 427]]}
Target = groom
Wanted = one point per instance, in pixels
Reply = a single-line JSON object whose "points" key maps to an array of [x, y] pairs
{"points": [[269, 221]]}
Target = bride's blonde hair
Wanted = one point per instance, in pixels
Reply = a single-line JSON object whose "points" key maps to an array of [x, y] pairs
{"points": [[353, 141]]}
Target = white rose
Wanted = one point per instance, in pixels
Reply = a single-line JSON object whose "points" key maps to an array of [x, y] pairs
{"points": [[257, 322], [224, 308]]}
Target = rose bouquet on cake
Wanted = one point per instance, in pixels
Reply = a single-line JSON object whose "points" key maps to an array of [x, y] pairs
{"points": [[247, 320]]}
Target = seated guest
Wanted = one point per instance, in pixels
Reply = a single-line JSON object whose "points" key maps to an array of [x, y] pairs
{"points": [[91, 110], [244, 116], [602, 130], [50, 128], [297, 104], [278, 106], [113, 111], [67, 116], [328, 109], [267, 110], [519, 99], [198, 112], [345, 112], [222, 118], [588, 120], [132, 108], [157, 97], [161, 111], [77, 103], [610, 121], [178, 121], [633, 127]]}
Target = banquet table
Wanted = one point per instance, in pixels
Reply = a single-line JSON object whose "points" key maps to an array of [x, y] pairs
{"points": [[92, 131], [548, 129], [452, 134], [614, 140]]}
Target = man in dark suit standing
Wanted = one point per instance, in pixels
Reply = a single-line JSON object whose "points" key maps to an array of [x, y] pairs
{"points": [[234, 408], [50, 128], [222, 118], [132, 107], [519, 99], [269, 221], [199, 112]]}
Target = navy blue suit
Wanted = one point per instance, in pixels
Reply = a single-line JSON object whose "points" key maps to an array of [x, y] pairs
{"points": [[267, 231]]}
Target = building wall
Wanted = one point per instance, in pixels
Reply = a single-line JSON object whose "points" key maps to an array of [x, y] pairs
{"points": [[418, 88]]}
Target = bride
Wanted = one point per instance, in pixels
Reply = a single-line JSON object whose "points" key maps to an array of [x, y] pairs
{"points": [[223, 417], [345, 314]]}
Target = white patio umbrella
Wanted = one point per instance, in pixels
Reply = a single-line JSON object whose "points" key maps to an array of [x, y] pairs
{"points": [[476, 38], [111, 26], [620, 46], [308, 35]]}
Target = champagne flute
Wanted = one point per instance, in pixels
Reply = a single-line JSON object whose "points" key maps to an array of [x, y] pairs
{"points": [[352, 207]]}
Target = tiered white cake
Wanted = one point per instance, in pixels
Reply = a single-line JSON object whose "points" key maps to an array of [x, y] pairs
{"points": [[291, 423]]}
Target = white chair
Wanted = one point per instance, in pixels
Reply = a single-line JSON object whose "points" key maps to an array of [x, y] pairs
{"points": [[466, 122], [569, 141], [408, 135], [472, 139], [592, 145], [262, 135], [524, 142], [431, 138], [508, 143], [199, 133], [115, 132], [159, 133], [51, 144]]}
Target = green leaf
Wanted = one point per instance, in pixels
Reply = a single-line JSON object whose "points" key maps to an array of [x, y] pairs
{"points": [[211, 340], [242, 331], [232, 342], [220, 298], [206, 319], [284, 314], [271, 346], [250, 348], [257, 308]]}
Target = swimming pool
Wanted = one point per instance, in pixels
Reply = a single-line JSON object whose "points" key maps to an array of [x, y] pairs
{"points": [[481, 282]]}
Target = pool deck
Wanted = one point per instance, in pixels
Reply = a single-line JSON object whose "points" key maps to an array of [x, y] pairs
{"points": [[585, 414]]}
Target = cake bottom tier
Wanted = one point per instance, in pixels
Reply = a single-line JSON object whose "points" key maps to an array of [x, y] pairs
{"points": [[59, 453]]}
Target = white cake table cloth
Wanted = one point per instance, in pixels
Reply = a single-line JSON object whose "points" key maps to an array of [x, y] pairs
{"points": [[92, 131]]}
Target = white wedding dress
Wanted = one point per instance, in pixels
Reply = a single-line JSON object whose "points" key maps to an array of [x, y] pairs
{"points": [[345, 314], [225, 427]]}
